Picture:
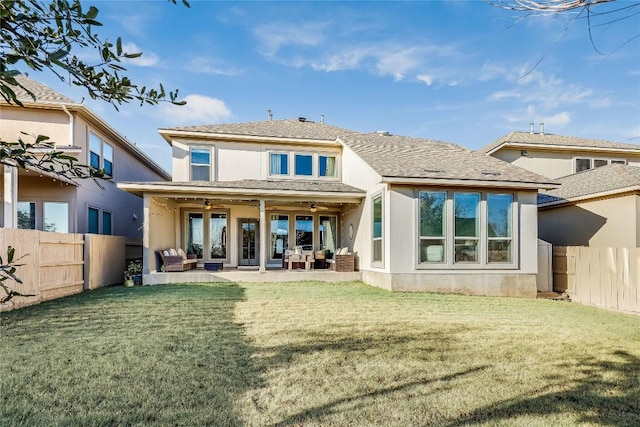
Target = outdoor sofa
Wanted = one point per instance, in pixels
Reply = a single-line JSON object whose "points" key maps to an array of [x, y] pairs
{"points": [[176, 260]]}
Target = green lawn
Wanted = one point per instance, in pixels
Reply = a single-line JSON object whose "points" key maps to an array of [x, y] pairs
{"points": [[315, 354]]}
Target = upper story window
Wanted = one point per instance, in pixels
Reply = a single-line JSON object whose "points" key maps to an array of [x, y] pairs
{"points": [[100, 154], [200, 164], [327, 166], [303, 164], [279, 164], [586, 163]]}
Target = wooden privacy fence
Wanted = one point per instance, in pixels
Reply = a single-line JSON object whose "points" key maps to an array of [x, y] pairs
{"points": [[52, 264], [56, 264], [602, 276]]}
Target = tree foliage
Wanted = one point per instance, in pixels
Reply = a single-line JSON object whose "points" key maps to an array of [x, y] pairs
{"points": [[43, 35]]}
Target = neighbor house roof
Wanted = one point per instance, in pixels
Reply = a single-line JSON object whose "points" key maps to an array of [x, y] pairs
{"points": [[550, 141], [250, 187], [592, 183], [48, 98], [288, 129], [399, 159], [42, 92]]}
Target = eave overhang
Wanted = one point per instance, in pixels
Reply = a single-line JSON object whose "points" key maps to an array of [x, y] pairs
{"points": [[589, 197], [445, 182], [556, 147], [170, 134]]}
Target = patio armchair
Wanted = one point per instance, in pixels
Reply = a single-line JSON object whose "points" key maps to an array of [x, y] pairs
{"points": [[176, 260]]}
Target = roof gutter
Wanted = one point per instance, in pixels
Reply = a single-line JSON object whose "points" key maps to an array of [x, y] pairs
{"points": [[519, 145], [72, 131], [170, 134], [469, 183]]}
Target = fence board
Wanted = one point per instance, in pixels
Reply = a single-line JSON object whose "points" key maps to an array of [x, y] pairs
{"points": [[605, 277]]}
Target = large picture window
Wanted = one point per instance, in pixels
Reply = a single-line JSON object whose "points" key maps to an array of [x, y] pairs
{"points": [[499, 227], [279, 235], [195, 234], [432, 226], [27, 215], [56, 217], [465, 229], [328, 228], [200, 164], [377, 229], [304, 232], [466, 207], [303, 164], [218, 235]]}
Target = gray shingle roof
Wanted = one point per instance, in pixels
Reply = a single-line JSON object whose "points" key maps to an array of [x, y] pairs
{"points": [[556, 140], [405, 157], [289, 128], [255, 184], [591, 182], [43, 93]]}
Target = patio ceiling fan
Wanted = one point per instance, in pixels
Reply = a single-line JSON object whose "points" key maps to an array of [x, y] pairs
{"points": [[314, 207]]}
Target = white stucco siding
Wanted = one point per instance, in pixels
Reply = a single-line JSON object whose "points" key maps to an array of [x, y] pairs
{"points": [[556, 164], [612, 221], [51, 123], [357, 173], [236, 161]]}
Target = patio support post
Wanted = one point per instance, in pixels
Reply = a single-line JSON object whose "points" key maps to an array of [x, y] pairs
{"points": [[147, 262], [263, 237], [10, 197]]}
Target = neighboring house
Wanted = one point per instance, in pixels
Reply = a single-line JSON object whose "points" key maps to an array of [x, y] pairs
{"points": [[419, 214], [598, 207], [555, 156], [597, 203], [33, 199]]}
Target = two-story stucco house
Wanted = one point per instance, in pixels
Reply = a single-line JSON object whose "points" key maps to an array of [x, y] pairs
{"points": [[598, 202], [418, 214], [32, 199]]}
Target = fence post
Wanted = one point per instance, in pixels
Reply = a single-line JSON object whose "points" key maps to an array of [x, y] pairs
{"points": [[87, 261]]}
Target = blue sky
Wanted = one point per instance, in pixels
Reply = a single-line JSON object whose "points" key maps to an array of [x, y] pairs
{"points": [[458, 71]]}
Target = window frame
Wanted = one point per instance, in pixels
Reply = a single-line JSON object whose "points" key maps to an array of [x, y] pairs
{"points": [[33, 205], [44, 215], [291, 156], [379, 263], [200, 165], [593, 159], [483, 238], [102, 160], [102, 222], [313, 226]]}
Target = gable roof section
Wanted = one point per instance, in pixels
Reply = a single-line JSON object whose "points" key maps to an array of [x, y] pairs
{"points": [[406, 160], [592, 183], [288, 129], [551, 141]]}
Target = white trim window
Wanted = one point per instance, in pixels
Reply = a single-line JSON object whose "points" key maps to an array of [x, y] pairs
{"points": [[100, 154], [458, 229], [279, 164], [200, 162], [303, 165], [585, 163], [377, 221]]}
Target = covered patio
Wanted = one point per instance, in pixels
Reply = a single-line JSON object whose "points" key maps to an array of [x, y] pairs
{"points": [[245, 226]]}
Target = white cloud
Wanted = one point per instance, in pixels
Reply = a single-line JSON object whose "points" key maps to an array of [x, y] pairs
{"points": [[147, 59], [207, 66], [559, 119], [275, 36], [425, 78], [200, 109]]}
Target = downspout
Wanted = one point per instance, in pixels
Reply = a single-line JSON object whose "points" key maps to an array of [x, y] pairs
{"points": [[72, 132]]}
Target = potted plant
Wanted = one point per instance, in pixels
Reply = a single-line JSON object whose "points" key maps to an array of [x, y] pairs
{"points": [[133, 273]]}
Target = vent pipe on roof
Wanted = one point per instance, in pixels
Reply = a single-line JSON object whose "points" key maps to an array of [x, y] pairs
{"points": [[322, 118], [269, 115], [542, 128], [531, 129]]}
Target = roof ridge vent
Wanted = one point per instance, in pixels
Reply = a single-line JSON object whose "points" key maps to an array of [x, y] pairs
{"points": [[383, 132]]}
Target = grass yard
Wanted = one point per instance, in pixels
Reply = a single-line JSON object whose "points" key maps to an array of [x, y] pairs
{"points": [[315, 354]]}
